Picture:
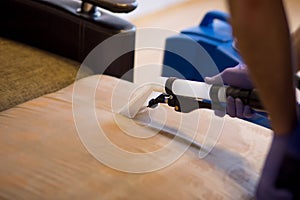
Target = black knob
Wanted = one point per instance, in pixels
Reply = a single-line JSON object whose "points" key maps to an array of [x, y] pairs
{"points": [[117, 6]]}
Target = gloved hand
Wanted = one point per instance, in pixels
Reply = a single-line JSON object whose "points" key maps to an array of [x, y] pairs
{"points": [[238, 77], [280, 177]]}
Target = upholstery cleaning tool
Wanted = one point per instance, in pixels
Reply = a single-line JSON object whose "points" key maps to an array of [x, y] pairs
{"points": [[186, 96]]}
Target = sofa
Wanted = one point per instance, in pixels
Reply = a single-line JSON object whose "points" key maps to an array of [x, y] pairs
{"points": [[44, 42]]}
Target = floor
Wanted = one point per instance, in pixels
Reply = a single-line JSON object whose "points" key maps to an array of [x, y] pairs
{"points": [[171, 16]]}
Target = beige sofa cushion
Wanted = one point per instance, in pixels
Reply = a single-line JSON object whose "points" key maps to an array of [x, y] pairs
{"points": [[44, 157]]}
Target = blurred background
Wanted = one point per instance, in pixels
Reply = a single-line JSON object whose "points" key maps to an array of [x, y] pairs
{"points": [[176, 15]]}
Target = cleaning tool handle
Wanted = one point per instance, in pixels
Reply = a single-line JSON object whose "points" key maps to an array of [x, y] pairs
{"points": [[248, 97]]}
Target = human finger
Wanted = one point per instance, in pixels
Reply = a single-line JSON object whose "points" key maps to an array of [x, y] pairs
{"points": [[239, 108], [231, 107], [248, 112]]}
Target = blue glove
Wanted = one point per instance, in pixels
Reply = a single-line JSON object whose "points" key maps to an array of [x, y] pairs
{"points": [[280, 177], [237, 77]]}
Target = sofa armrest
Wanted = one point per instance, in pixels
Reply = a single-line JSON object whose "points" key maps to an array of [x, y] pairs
{"points": [[58, 27]]}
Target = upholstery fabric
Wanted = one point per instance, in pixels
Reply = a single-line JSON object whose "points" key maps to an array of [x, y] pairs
{"points": [[27, 73], [43, 155]]}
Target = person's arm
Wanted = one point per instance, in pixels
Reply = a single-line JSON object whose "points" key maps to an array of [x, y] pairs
{"points": [[261, 29], [296, 45]]}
